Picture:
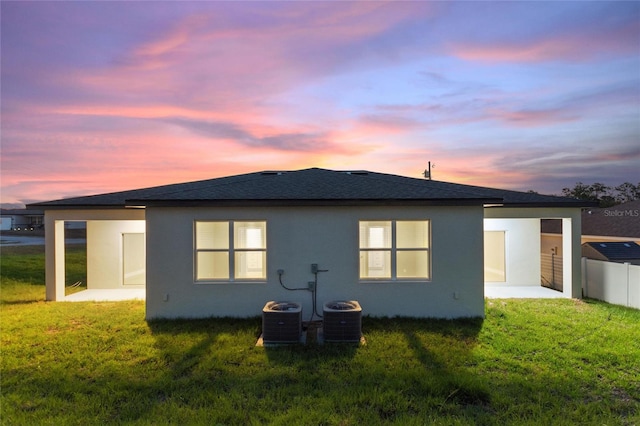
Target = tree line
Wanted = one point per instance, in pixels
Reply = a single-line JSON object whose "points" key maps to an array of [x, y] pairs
{"points": [[606, 196]]}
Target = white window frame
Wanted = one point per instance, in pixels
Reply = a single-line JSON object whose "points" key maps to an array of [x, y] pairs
{"points": [[393, 251], [231, 250]]}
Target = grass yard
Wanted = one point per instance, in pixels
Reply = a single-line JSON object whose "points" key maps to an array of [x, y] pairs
{"points": [[528, 362], [22, 272]]}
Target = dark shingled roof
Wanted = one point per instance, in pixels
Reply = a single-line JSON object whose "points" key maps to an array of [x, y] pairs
{"points": [[622, 220], [21, 212], [313, 186], [627, 251]]}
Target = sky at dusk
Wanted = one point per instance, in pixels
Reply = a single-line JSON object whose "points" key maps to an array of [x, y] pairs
{"points": [[107, 96]]}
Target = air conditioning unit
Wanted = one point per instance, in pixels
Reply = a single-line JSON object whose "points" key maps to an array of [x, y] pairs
{"points": [[281, 322], [342, 321]]}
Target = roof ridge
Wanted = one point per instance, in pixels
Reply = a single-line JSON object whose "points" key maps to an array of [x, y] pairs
{"points": [[419, 182], [234, 179], [218, 184]]}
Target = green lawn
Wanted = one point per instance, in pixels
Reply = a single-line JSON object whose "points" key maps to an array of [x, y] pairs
{"points": [[22, 271], [528, 362]]}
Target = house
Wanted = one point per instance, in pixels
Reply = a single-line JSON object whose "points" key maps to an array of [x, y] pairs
{"points": [[616, 251], [398, 245], [21, 219], [616, 223]]}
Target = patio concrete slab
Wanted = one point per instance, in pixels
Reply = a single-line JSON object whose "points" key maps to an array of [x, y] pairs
{"points": [[521, 292], [106, 295]]}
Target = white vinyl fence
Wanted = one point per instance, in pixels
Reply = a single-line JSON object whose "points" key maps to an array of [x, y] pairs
{"points": [[617, 283]]}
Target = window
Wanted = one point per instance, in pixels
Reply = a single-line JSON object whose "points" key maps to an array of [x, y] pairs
{"points": [[228, 251], [394, 250]]}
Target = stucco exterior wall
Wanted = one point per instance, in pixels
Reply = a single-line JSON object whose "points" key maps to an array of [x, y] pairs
{"points": [[328, 236], [522, 250], [105, 251]]}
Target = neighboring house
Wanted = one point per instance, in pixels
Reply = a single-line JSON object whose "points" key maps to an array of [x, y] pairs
{"points": [[619, 252], [616, 223], [398, 245], [21, 219]]}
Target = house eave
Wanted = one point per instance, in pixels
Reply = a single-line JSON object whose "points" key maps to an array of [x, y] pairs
{"points": [[560, 204], [45, 207], [141, 204], [308, 202]]}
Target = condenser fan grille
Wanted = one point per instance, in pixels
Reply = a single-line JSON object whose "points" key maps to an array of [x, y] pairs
{"points": [[342, 306], [283, 306]]}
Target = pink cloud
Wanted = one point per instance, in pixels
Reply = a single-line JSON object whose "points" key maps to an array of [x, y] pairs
{"points": [[533, 118], [388, 124], [227, 59], [157, 152], [571, 46]]}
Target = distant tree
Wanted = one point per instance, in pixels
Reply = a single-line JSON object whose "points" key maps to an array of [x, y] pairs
{"points": [[607, 201], [600, 190], [627, 192], [606, 196], [582, 192]]}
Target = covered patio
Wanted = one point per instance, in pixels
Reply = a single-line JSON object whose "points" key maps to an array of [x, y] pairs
{"points": [[116, 254], [513, 253]]}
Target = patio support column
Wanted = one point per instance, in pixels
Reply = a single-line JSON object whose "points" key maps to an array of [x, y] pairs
{"points": [[54, 258], [571, 249]]}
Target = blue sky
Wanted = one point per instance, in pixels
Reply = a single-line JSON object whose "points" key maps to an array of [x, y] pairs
{"points": [[108, 96]]}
